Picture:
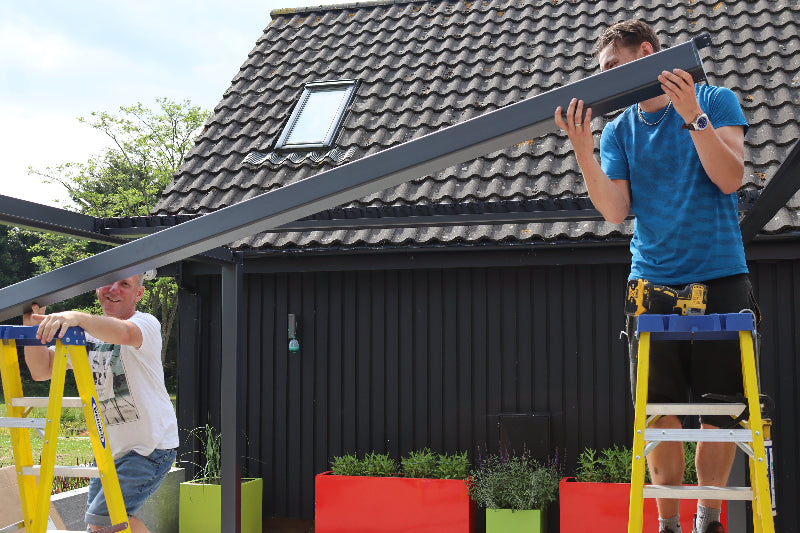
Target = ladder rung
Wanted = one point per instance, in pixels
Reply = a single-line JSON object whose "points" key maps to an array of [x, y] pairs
{"points": [[17, 422], [42, 401], [732, 409], [698, 435], [65, 471], [693, 492]]}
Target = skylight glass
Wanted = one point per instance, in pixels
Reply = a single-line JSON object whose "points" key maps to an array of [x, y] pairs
{"points": [[316, 119]]}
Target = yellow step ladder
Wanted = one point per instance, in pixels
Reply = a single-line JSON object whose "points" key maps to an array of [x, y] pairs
{"points": [[734, 326], [35, 496]]}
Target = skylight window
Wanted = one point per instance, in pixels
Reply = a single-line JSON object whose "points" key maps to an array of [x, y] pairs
{"points": [[316, 119]]}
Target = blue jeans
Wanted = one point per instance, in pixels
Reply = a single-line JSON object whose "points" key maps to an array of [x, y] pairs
{"points": [[139, 477]]}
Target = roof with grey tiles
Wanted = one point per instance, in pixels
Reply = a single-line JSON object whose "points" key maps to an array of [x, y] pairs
{"points": [[426, 65]]}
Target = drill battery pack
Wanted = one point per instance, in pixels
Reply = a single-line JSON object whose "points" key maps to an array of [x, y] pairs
{"points": [[646, 297]]}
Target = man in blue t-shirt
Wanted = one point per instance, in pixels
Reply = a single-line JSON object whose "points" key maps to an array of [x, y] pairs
{"points": [[675, 161]]}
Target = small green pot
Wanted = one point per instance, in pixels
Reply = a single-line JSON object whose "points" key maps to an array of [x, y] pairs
{"points": [[200, 506], [511, 521]]}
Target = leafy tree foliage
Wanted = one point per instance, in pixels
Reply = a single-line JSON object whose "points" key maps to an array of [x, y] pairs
{"points": [[125, 180], [14, 255], [128, 179]]}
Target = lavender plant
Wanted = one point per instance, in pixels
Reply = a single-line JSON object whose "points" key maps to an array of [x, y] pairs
{"points": [[519, 482]]}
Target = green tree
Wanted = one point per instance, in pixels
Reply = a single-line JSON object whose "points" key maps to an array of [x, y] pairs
{"points": [[14, 255], [125, 180]]}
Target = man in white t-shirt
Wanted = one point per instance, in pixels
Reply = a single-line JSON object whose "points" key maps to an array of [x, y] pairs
{"points": [[124, 347]]}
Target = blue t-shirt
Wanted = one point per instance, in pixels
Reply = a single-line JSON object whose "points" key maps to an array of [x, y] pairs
{"points": [[685, 229]]}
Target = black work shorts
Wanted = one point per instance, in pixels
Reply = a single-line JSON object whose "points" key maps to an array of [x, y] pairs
{"points": [[683, 371]]}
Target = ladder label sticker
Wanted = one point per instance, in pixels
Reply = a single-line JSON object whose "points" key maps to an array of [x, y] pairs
{"points": [[98, 421]]}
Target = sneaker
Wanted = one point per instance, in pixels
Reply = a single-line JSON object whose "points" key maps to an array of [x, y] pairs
{"points": [[666, 531], [715, 527]]}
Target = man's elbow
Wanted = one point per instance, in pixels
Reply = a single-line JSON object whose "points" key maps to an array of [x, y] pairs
{"points": [[729, 188], [615, 220], [40, 375], [616, 216]]}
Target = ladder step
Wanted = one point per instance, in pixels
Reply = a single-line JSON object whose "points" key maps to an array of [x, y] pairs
{"points": [[17, 422], [692, 492], [65, 471], [42, 401], [698, 435], [732, 409]]}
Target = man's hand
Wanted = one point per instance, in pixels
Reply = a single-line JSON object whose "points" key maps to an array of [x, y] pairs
{"points": [[55, 324], [577, 124], [679, 86], [27, 318]]}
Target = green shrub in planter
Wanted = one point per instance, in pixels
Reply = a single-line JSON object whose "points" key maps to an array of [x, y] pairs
{"points": [[613, 465], [417, 464], [455, 466], [424, 492], [372, 465], [420, 464]]}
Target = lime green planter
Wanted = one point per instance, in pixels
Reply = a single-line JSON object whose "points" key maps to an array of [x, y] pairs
{"points": [[200, 506], [511, 521]]}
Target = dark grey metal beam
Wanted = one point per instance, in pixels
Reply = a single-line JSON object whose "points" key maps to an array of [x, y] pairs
{"points": [[778, 191], [512, 217], [231, 403], [38, 217], [420, 221], [530, 118]]}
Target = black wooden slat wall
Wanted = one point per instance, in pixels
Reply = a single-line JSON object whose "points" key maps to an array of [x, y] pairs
{"points": [[777, 286], [398, 360]]}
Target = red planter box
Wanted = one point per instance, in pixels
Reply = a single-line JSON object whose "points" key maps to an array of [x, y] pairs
{"points": [[603, 507], [352, 504]]}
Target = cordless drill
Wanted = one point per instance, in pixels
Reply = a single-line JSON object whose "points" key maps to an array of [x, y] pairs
{"points": [[646, 297]]}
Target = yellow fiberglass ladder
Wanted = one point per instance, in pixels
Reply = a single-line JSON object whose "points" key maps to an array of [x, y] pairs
{"points": [[749, 436], [35, 495]]}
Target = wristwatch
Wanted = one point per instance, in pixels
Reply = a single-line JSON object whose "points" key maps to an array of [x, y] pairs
{"points": [[700, 123]]}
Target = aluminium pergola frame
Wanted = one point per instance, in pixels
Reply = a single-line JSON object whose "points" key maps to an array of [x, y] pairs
{"points": [[605, 92], [431, 153]]}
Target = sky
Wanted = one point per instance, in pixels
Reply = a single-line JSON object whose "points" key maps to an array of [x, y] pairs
{"points": [[63, 60]]}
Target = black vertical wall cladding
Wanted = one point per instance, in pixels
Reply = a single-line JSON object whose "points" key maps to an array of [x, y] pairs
{"points": [[396, 360]]}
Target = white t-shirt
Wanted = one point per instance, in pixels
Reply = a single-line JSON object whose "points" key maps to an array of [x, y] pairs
{"points": [[137, 411]]}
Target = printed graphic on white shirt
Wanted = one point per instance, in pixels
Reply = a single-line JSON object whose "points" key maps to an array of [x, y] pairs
{"points": [[111, 382]]}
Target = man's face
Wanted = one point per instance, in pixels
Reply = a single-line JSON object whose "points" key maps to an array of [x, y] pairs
{"points": [[119, 299], [613, 55]]}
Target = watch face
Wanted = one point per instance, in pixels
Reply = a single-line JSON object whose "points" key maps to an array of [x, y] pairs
{"points": [[702, 123]]}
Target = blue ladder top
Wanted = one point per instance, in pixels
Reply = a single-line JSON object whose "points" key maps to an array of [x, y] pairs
{"points": [[700, 327], [26, 336]]}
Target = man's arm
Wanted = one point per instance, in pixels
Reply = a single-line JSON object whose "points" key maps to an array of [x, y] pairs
{"points": [[105, 328], [721, 150], [38, 358], [611, 197]]}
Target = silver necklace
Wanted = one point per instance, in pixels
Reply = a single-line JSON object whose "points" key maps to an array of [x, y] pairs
{"points": [[641, 116]]}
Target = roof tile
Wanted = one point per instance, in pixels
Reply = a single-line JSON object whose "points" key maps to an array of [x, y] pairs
{"points": [[423, 66]]}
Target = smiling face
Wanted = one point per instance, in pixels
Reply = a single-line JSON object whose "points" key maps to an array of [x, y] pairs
{"points": [[119, 299]]}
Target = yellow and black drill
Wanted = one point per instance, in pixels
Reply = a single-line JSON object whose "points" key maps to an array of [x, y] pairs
{"points": [[646, 297]]}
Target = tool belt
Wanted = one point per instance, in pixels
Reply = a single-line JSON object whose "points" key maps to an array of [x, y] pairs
{"points": [[646, 297]]}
